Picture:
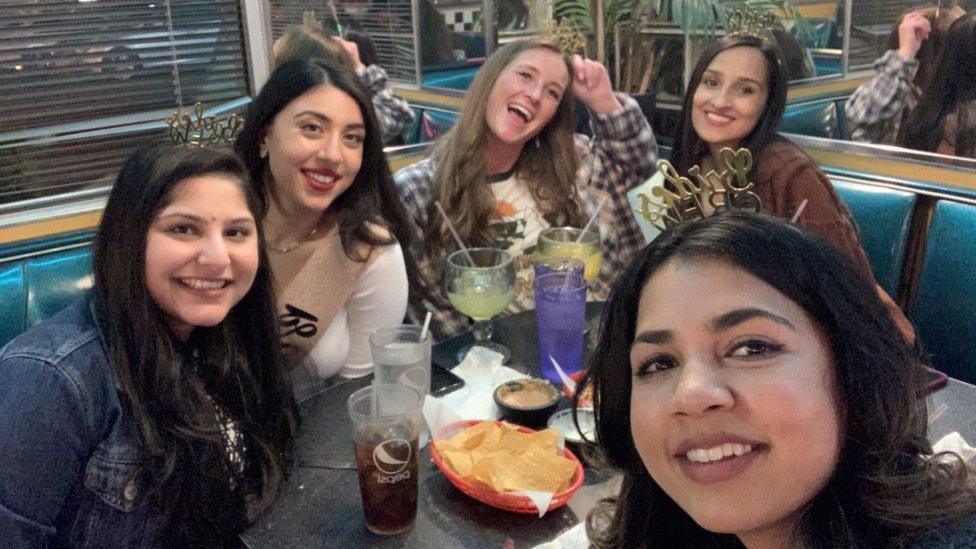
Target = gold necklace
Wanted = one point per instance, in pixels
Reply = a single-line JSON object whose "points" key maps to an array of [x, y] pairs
{"points": [[294, 245]]}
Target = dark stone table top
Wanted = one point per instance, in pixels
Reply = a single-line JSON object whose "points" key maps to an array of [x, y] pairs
{"points": [[321, 506]]}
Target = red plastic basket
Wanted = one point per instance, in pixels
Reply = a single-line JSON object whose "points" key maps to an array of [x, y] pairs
{"points": [[504, 500]]}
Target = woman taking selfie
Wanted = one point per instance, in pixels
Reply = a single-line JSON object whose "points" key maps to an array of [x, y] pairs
{"points": [[736, 98], [333, 220], [512, 167], [154, 411], [752, 390]]}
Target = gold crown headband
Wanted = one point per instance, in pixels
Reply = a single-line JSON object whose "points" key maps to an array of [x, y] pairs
{"points": [[310, 21], [200, 130], [722, 191], [750, 23], [566, 35]]}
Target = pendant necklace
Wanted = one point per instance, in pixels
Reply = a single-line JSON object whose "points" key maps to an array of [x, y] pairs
{"points": [[294, 245]]}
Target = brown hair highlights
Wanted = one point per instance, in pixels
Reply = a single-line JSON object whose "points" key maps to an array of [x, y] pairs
{"points": [[548, 169]]}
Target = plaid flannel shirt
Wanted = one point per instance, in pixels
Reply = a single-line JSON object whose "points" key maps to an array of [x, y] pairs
{"points": [[621, 154], [875, 110], [392, 112]]}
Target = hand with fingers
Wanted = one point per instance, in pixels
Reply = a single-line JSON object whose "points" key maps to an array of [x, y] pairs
{"points": [[352, 50], [913, 30], [591, 84]]}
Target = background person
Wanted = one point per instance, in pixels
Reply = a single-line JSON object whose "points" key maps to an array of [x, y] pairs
{"points": [[392, 111], [511, 167], [736, 97], [154, 411], [875, 111], [749, 385], [945, 119], [334, 221]]}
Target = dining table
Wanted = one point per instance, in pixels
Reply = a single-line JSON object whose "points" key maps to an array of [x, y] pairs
{"points": [[321, 507]]}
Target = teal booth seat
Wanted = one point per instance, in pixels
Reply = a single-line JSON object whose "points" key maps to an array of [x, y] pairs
{"points": [[40, 278], [944, 307], [883, 217], [820, 118]]}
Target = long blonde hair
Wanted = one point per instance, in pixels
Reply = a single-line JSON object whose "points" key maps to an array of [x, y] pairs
{"points": [[547, 164]]}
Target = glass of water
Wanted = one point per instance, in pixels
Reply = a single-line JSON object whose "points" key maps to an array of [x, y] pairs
{"points": [[402, 357]]}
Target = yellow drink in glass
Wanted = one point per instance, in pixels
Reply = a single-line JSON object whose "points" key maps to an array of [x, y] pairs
{"points": [[560, 242], [484, 304]]}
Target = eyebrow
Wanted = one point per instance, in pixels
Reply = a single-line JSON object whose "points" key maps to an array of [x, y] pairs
{"points": [[720, 73], [324, 118], [722, 322], [738, 316], [198, 219]]}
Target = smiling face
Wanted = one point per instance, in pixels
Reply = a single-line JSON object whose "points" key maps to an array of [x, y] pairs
{"points": [[525, 96], [315, 149], [201, 253], [733, 407], [730, 98]]}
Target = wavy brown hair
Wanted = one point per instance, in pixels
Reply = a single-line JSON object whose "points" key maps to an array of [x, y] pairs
{"points": [[548, 169], [885, 489]]}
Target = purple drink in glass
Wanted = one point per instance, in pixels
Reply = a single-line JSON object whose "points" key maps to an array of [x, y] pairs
{"points": [[560, 312]]}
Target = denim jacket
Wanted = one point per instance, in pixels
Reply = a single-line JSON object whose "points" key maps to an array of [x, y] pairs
{"points": [[69, 453]]}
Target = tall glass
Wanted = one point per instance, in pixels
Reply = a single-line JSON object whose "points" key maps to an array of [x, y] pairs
{"points": [[561, 242], [481, 291], [386, 424]]}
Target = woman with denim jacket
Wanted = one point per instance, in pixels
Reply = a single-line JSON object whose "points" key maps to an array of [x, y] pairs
{"points": [[152, 412]]}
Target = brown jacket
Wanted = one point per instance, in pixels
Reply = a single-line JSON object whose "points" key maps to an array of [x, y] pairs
{"points": [[785, 176]]}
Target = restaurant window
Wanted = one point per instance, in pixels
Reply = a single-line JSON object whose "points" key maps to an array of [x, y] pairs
{"points": [[84, 82], [388, 23]]}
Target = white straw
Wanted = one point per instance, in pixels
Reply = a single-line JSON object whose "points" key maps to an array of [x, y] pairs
{"points": [[423, 332], [457, 237], [567, 381], [592, 219], [799, 211]]}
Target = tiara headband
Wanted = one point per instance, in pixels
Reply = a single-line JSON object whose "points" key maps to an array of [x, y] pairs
{"points": [[566, 35], [751, 23], [730, 189], [202, 131]]}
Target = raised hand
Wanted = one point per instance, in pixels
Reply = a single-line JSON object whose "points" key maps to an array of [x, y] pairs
{"points": [[352, 50], [913, 30], [591, 84]]}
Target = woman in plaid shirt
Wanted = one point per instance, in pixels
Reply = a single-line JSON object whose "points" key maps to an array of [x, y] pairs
{"points": [[876, 109], [511, 167]]}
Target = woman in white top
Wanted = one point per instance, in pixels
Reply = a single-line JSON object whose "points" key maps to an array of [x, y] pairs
{"points": [[333, 220]]}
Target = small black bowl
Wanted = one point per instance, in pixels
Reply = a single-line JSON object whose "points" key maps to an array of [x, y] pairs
{"points": [[534, 417]]}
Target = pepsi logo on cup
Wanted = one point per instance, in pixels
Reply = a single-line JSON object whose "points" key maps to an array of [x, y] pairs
{"points": [[392, 457]]}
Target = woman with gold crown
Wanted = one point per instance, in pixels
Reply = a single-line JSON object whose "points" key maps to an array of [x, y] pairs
{"points": [[735, 99], [511, 167]]}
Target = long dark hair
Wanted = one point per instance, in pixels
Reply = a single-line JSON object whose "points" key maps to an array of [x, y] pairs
{"points": [[951, 91], [883, 489], [371, 199], [689, 148], [930, 53], [171, 388]]}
